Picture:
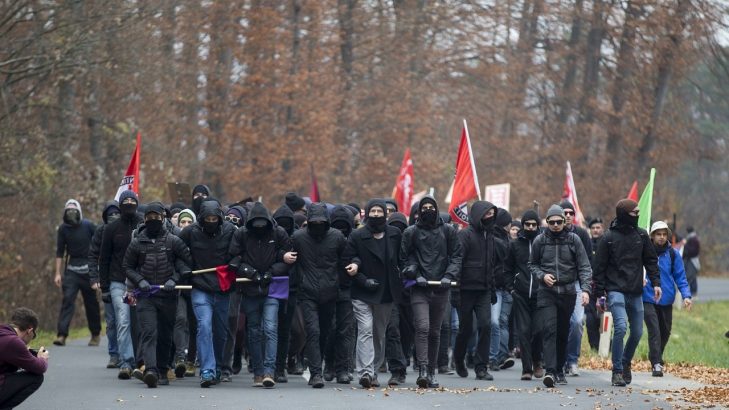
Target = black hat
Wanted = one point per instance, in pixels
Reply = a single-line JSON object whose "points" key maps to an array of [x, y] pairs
{"points": [[155, 207], [294, 202], [503, 217], [593, 221]]}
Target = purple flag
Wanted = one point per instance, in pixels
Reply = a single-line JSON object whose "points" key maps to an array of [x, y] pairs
{"points": [[279, 288]]}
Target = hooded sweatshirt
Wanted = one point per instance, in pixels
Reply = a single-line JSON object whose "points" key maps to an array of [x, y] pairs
{"points": [[74, 240], [516, 268], [114, 242], [95, 247], [342, 216], [284, 218], [481, 261]]}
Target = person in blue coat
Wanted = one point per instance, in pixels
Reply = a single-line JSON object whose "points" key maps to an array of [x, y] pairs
{"points": [[659, 314]]}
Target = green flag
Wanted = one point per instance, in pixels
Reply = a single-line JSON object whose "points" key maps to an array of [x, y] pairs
{"points": [[645, 203]]}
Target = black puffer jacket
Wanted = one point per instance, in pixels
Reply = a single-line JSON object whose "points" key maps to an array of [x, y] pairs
{"points": [[114, 242], [208, 250], [156, 260], [319, 259], [621, 255], [259, 255], [435, 252], [563, 256], [516, 269], [480, 257]]}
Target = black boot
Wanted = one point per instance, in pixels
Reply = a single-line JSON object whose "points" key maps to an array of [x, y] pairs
{"points": [[432, 382], [422, 381]]}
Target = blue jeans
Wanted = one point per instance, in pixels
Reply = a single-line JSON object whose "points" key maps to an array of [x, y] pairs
{"points": [[500, 329], [574, 340], [211, 312], [625, 309], [262, 327], [123, 325], [495, 328], [110, 319]]}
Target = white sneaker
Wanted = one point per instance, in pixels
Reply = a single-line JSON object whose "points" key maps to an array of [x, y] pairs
{"points": [[572, 370], [657, 370]]}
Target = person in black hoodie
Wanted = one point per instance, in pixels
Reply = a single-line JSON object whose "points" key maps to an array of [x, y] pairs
{"points": [[73, 242], [109, 214], [432, 252], [558, 259], [338, 353], [112, 277], [621, 255], [200, 193], [209, 240], [372, 258], [499, 353], [319, 256], [523, 286], [259, 251], [477, 287], [156, 257]]}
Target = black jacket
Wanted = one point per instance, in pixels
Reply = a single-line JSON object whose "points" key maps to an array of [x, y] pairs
{"points": [[481, 259], [208, 251], [516, 269], [260, 255], [622, 253], [95, 246], [363, 250], [342, 214], [435, 252], [563, 256], [114, 242], [584, 236], [319, 260], [156, 260], [73, 242]]}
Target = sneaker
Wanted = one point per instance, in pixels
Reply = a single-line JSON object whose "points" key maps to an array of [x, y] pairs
{"points": [[218, 376], [125, 373], [469, 361], [296, 369], [257, 381], [444, 370], [618, 380], [526, 376], [483, 374], [268, 381], [538, 372], [280, 377], [189, 369], [138, 373], [95, 340], [343, 378], [657, 370], [560, 379], [365, 381], [169, 374], [422, 380], [163, 381], [394, 379], [206, 378], [627, 374], [516, 353], [461, 369], [150, 379], [328, 374], [548, 380], [375, 382], [225, 376], [571, 370], [181, 369], [113, 362], [316, 381], [493, 367], [507, 363], [60, 341]]}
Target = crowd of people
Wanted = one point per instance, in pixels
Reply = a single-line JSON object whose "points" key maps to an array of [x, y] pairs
{"points": [[348, 293]]}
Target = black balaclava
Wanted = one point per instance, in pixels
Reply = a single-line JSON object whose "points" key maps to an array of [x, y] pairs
{"points": [[128, 211], [317, 229], [398, 220], [428, 219], [376, 224], [414, 213], [260, 227], [622, 211], [530, 215], [197, 202], [342, 219], [284, 218], [72, 217], [153, 227], [318, 221]]}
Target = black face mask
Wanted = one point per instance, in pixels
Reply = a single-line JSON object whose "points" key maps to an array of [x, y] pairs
{"points": [[626, 219], [72, 217], [487, 224], [112, 217], [317, 230], [399, 225], [428, 216], [531, 234], [128, 210], [376, 224], [153, 227], [196, 203], [210, 227], [287, 224], [342, 227], [259, 228]]}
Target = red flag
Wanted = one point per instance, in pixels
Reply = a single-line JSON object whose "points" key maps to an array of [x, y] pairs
{"points": [[314, 190], [131, 178], [403, 192], [226, 277], [465, 182], [633, 192], [570, 194]]}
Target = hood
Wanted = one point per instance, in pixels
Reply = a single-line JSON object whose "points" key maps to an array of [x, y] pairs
{"points": [[201, 188], [317, 212], [372, 203], [427, 199], [397, 217], [107, 207], [477, 211], [342, 213], [210, 208], [259, 211], [414, 209], [283, 212], [73, 204], [187, 212], [239, 211], [503, 217]]}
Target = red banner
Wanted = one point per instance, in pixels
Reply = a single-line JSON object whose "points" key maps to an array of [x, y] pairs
{"points": [[403, 192], [465, 182], [131, 178]]}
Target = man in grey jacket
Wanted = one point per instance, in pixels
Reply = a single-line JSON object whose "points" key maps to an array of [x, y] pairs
{"points": [[558, 260]]}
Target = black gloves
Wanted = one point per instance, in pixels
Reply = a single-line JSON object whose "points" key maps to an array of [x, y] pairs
{"points": [[420, 281], [106, 297], [169, 285], [371, 284], [234, 264], [144, 286], [494, 299], [410, 272], [445, 283], [266, 279]]}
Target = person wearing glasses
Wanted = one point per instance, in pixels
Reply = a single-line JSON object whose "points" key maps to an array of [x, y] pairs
{"points": [[236, 215], [558, 259], [622, 253], [16, 386]]}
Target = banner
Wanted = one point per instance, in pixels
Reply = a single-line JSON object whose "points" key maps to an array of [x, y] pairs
{"points": [[570, 194], [403, 191], [646, 203], [131, 178], [499, 195], [314, 189], [465, 182], [633, 194]]}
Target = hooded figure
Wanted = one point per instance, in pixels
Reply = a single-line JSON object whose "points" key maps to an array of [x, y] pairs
{"points": [[197, 202], [109, 214], [398, 220], [284, 218], [237, 211], [342, 219], [414, 209]]}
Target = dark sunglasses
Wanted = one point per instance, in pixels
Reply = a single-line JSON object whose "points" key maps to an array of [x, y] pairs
{"points": [[556, 222], [233, 219], [569, 212], [530, 224]]}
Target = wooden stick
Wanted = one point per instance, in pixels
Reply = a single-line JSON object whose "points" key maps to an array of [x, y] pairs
{"points": [[197, 272], [437, 283], [189, 287]]}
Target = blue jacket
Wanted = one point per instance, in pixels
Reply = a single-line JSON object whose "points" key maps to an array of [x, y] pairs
{"points": [[668, 281]]}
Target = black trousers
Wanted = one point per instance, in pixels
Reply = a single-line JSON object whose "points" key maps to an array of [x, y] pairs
{"points": [[156, 316], [317, 322], [592, 323], [18, 387], [528, 327], [185, 329], [658, 321], [478, 302], [73, 283], [396, 360], [445, 336], [555, 311], [341, 338], [429, 309], [286, 311]]}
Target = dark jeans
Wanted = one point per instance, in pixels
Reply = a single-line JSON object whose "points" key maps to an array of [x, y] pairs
{"points": [[445, 336], [528, 329], [592, 323], [478, 302], [341, 338], [18, 387], [394, 352], [658, 321], [555, 311], [234, 310], [185, 331], [317, 321], [429, 309], [73, 283], [156, 316], [286, 310]]}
